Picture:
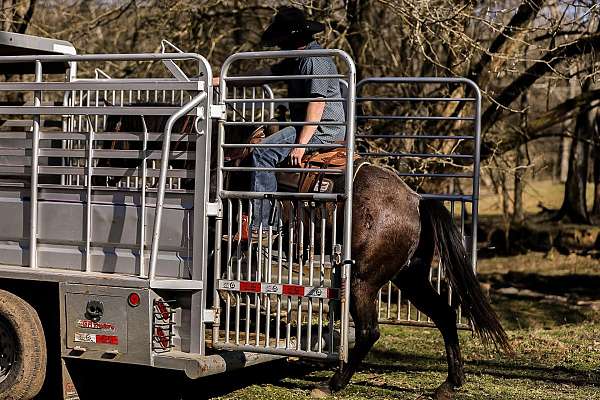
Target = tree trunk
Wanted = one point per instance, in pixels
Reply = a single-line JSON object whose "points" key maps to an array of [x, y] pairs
{"points": [[565, 150], [12, 20], [574, 206], [518, 212], [7, 15], [355, 15], [521, 160], [596, 155]]}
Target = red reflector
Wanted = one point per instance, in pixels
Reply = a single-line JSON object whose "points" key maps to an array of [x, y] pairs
{"points": [[162, 338], [293, 290], [106, 339], [134, 299], [250, 287]]}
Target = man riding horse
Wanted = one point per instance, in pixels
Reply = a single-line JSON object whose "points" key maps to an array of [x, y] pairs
{"points": [[290, 30]]}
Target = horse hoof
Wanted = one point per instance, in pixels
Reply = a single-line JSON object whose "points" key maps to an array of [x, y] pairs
{"points": [[320, 392], [444, 392]]}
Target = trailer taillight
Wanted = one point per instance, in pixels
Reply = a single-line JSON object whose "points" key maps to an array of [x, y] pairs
{"points": [[133, 299]]}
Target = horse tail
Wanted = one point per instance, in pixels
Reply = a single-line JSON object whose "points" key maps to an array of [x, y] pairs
{"points": [[451, 249]]}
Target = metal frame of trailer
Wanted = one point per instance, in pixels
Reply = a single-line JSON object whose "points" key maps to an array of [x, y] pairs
{"points": [[152, 237]]}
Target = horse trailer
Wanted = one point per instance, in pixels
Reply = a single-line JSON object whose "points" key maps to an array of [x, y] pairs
{"points": [[124, 230]]}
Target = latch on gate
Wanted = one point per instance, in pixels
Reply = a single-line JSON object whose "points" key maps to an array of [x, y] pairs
{"points": [[213, 209], [209, 315], [218, 111]]}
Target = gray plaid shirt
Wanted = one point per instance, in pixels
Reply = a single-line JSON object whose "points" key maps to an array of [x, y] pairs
{"points": [[315, 87]]}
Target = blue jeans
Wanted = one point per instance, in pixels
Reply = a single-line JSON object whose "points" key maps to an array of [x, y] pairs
{"points": [[265, 181]]}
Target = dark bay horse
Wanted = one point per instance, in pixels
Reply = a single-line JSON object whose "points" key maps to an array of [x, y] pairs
{"points": [[395, 235]]}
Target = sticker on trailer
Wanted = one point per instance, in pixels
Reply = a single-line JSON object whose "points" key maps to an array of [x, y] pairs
{"points": [[95, 338], [87, 324]]}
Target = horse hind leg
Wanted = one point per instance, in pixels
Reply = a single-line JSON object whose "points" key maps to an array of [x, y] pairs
{"points": [[416, 287]]}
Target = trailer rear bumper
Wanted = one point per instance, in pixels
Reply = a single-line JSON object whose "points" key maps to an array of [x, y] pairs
{"points": [[196, 366]]}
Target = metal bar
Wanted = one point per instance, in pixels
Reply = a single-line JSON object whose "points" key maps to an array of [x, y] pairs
{"points": [[412, 117], [415, 155], [163, 177], [269, 92], [238, 255], [308, 170], [269, 123], [285, 100], [281, 351], [88, 225], [417, 99], [280, 146], [275, 78], [35, 142], [282, 195], [389, 299], [229, 262], [104, 153], [292, 224], [414, 80], [103, 84], [403, 136], [279, 271], [268, 272], [100, 57], [300, 273], [347, 240], [323, 212], [249, 276], [119, 136], [440, 175], [311, 265], [259, 266], [476, 168], [101, 171], [80, 110], [143, 272]]}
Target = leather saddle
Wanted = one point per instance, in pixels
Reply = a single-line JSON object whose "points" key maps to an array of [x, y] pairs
{"points": [[313, 182], [319, 182]]}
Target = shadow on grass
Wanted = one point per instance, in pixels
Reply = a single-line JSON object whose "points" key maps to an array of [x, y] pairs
{"points": [[96, 380], [501, 369], [580, 286], [518, 313]]}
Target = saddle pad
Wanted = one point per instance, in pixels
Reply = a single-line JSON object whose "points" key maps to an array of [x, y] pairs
{"points": [[334, 158]]}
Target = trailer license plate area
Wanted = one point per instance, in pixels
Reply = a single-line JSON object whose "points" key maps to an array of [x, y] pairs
{"points": [[94, 338], [109, 332]]}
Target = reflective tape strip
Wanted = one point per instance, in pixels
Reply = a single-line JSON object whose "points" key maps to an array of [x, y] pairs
{"points": [[275, 288]]}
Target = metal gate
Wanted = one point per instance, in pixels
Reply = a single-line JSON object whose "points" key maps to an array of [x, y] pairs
{"points": [[428, 130], [286, 292]]}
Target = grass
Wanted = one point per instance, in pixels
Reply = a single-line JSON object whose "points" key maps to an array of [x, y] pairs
{"points": [[547, 192], [557, 346]]}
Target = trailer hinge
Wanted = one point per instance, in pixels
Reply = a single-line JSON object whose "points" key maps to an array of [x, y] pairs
{"points": [[213, 209], [218, 111], [209, 316]]}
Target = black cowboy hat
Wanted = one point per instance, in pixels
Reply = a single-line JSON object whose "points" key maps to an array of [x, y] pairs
{"points": [[289, 22]]}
